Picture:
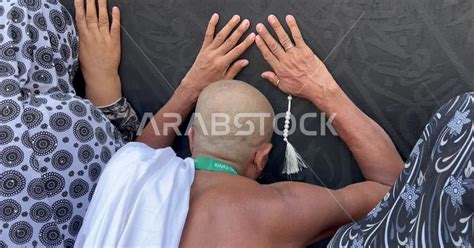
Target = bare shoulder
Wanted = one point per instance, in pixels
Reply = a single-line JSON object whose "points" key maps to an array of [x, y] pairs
{"points": [[252, 202], [236, 209], [228, 192], [243, 192]]}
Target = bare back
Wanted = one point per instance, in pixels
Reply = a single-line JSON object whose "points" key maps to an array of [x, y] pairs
{"points": [[227, 208], [234, 211]]}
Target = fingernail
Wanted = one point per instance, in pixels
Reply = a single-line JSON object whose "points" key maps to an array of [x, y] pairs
{"points": [[245, 62], [235, 18], [257, 39], [215, 15], [290, 18], [245, 23], [251, 36], [271, 19], [259, 27]]}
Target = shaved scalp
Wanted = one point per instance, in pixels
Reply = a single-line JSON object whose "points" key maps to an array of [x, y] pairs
{"points": [[225, 113]]}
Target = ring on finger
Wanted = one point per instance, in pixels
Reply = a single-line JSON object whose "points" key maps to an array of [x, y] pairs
{"points": [[289, 48], [278, 83]]}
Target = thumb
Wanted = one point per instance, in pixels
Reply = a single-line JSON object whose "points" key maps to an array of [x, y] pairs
{"points": [[115, 27], [271, 77]]}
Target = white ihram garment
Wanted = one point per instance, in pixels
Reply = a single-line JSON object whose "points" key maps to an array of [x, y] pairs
{"points": [[141, 200]]}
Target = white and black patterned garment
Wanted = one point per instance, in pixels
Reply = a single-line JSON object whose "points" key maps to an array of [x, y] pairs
{"points": [[432, 202], [53, 144]]}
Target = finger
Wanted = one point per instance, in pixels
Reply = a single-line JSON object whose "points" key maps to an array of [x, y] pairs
{"points": [[285, 40], [115, 27], [235, 37], [272, 44], [295, 31], [103, 16], [241, 48], [266, 53], [91, 14], [271, 77], [236, 68], [224, 33], [80, 16], [211, 29]]}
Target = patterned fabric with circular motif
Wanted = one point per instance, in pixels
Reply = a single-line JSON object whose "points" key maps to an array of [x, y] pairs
{"points": [[9, 210], [431, 203], [40, 212], [53, 144]]}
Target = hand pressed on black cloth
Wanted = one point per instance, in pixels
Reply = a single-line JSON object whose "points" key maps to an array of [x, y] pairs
{"points": [[99, 54]]}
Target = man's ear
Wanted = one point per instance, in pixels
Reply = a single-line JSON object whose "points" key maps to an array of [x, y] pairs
{"points": [[191, 134], [261, 157]]}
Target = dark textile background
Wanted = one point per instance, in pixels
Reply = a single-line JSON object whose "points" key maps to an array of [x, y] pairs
{"points": [[398, 60]]}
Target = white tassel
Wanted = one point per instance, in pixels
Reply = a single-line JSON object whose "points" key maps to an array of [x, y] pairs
{"points": [[293, 160]]}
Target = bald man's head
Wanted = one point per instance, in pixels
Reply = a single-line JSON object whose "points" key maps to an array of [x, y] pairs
{"points": [[233, 121]]}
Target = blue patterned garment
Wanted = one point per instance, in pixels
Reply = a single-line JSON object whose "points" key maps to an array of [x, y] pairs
{"points": [[53, 144], [432, 202]]}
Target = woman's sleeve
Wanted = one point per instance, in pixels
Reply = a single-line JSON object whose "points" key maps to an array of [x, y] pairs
{"points": [[123, 117]]}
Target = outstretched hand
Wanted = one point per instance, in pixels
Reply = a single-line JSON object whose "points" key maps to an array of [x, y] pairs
{"points": [[99, 53], [217, 57], [296, 69]]}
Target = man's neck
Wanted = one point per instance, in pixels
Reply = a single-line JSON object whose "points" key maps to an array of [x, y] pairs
{"points": [[233, 164]]}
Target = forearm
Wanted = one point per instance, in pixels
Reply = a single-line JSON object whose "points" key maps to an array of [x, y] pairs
{"points": [[334, 208], [371, 146], [352, 203], [102, 90], [161, 131]]}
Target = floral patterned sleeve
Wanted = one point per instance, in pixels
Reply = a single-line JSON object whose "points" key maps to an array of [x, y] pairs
{"points": [[124, 117]]}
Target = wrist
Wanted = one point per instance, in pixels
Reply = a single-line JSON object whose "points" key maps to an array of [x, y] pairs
{"points": [[185, 97], [104, 90], [103, 99], [182, 102], [99, 78], [187, 93], [325, 93]]}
